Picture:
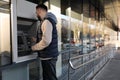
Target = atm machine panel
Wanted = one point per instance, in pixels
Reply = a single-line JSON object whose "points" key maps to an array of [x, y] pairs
{"points": [[26, 29]]}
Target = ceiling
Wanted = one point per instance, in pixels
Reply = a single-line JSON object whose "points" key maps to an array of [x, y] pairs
{"points": [[112, 12], [4, 6], [111, 9]]}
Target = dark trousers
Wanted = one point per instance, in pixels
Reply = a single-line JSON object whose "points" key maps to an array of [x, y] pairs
{"points": [[49, 69]]}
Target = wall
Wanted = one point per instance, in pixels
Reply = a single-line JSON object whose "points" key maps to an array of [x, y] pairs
{"points": [[27, 10], [55, 9]]}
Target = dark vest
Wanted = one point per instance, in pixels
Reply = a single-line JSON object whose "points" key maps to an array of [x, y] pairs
{"points": [[52, 49]]}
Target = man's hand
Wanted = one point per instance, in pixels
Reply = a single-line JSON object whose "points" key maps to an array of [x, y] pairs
{"points": [[32, 48], [33, 39]]}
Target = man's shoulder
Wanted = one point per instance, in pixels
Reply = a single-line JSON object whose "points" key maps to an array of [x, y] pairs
{"points": [[46, 22]]}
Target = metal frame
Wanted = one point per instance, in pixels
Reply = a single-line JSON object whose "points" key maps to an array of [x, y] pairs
{"points": [[73, 67], [103, 56]]}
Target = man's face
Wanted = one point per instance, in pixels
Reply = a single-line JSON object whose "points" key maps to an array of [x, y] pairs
{"points": [[40, 13]]}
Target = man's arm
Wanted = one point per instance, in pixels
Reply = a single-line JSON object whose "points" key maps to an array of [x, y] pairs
{"points": [[46, 36]]}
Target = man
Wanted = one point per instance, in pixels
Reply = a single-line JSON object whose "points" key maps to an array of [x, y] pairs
{"points": [[47, 42]]}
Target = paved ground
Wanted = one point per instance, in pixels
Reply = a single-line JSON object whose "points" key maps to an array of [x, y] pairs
{"points": [[111, 71]]}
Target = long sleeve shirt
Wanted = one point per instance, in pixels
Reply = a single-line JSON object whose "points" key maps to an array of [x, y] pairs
{"points": [[46, 28]]}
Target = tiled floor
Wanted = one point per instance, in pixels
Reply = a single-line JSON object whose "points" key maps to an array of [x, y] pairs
{"points": [[112, 69]]}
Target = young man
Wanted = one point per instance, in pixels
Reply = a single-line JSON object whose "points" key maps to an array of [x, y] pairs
{"points": [[47, 42]]}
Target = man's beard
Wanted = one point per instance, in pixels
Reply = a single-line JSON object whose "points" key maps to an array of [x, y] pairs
{"points": [[39, 18]]}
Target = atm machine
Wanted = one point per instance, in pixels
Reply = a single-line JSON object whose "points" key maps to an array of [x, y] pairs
{"points": [[23, 28]]}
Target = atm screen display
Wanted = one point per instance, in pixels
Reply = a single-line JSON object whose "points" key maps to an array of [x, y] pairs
{"points": [[25, 32]]}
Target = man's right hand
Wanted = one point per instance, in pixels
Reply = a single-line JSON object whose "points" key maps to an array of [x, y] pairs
{"points": [[33, 39]]}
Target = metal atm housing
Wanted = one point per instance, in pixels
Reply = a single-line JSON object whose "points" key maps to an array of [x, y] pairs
{"points": [[24, 24]]}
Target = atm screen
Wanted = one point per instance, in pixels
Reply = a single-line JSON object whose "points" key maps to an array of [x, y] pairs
{"points": [[26, 29]]}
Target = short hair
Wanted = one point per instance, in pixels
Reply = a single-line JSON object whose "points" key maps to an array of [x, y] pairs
{"points": [[42, 6]]}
